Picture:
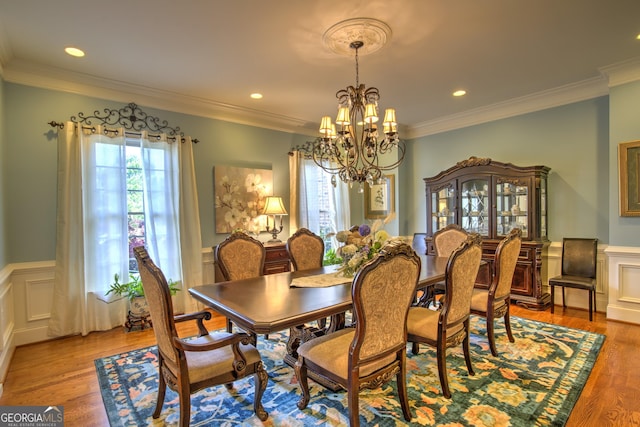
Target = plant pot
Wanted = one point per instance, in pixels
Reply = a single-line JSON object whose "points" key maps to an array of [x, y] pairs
{"points": [[139, 307]]}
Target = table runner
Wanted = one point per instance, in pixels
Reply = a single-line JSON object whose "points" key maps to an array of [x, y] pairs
{"points": [[319, 281]]}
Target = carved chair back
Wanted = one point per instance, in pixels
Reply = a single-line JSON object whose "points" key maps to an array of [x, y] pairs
{"points": [[305, 249], [240, 256]]}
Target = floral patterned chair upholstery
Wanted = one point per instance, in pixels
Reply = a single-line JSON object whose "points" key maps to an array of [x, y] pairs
{"points": [[187, 366], [494, 302], [449, 326], [305, 249], [370, 354], [239, 256]]}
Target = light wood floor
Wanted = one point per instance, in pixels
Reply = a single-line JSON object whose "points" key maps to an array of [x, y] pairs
{"points": [[62, 372]]}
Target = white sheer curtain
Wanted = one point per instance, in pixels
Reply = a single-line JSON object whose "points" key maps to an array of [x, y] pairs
{"points": [[92, 227], [307, 200]]}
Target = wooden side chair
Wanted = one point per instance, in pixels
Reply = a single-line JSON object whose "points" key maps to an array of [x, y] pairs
{"points": [[494, 302], [187, 366], [445, 241], [239, 256], [370, 354], [305, 249], [579, 263], [449, 326]]}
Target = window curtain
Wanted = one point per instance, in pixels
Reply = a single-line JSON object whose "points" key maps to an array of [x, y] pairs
{"points": [[92, 234], [305, 198]]}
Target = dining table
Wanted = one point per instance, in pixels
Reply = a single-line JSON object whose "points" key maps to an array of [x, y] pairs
{"points": [[275, 302]]}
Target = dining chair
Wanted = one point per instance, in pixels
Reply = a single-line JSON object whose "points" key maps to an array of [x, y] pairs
{"points": [[445, 241], [239, 256], [369, 355], [449, 326], [579, 263], [305, 249], [494, 302], [190, 365]]}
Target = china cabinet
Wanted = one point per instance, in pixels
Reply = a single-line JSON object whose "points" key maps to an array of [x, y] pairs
{"points": [[491, 198]]}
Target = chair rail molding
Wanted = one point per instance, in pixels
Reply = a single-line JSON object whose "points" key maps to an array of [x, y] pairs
{"points": [[624, 283]]}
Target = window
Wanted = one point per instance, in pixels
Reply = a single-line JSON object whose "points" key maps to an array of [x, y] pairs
{"points": [[135, 203]]}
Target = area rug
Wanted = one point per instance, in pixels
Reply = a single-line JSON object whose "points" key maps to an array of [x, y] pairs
{"points": [[534, 381]]}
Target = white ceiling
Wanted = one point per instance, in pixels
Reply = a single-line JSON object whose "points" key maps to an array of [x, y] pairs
{"points": [[205, 57]]}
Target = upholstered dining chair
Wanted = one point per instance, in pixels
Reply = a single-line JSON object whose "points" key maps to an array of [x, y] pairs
{"points": [[579, 263], [449, 326], [370, 354], [445, 241], [305, 249], [210, 359], [239, 256], [494, 302]]}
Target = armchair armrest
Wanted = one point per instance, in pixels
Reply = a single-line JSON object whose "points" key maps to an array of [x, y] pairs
{"points": [[226, 339], [199, 317]]}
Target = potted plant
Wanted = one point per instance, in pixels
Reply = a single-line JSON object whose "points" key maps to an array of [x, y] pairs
{"points": [[134, 291]]}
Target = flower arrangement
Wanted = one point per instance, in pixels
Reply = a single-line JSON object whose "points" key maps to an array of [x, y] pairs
{"points": [[361, 243]]}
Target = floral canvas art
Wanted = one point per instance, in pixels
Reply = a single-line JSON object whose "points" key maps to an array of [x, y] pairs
{"points": [[240, 194]]}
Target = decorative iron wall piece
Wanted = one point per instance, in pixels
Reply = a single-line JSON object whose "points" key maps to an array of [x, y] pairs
{"points": [[130, 117]]}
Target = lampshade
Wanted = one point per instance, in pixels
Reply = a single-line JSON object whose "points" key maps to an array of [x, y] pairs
{"points": [[390, 117], [370, 113], [325, 125], [343, 116], [274, 206]]}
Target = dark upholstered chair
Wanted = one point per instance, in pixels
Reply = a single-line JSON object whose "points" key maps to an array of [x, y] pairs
{"points": [[579, 261], [187, 366], [494, 302], [305, 249], [449, 326], [239, 256], [370, 354], [445, 241]]}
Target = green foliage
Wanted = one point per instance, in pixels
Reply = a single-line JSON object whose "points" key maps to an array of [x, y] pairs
{"points": [[134, 287], [331, 258]]}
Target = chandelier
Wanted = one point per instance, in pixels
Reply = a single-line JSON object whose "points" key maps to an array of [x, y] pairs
{"points": [[353, 145]]}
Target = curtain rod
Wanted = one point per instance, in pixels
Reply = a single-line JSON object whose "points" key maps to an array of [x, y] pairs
{"points": [[128, 133], [131, 117]]}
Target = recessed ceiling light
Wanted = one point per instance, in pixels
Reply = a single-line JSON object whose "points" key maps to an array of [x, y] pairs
{"points": [[74, 51], [256, 95], [460, 93]]}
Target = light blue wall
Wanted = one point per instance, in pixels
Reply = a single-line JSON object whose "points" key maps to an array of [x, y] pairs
{"points": [[625, 127], [30, 156], [572, 140]]}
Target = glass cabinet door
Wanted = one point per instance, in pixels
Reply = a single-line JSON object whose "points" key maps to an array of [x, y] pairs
{"points": [[512, 203], [543, 208], [474, 202], [443, 207]]}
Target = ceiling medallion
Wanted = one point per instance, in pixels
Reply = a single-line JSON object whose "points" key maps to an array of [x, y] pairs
{"points": [[372, 33]]}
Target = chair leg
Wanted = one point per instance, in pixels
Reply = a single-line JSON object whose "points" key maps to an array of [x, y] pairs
{"points": [[415, 348], [591, 302], [563, 304], [185, 406], [490, 334], [465, 348], [507, 324], [441, 354], [301, 374], [260, 378], [229, 326], [353, 402], [401, 379], [162, 388], [553, 300]]}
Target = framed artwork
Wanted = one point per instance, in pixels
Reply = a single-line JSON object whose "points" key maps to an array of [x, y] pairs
{"points": [[629, 169], [240, 194], [379, 199]]}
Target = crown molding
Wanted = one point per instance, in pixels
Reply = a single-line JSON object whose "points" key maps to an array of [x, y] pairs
{"points": [[622, 72], [31, 74], [574, 92]]}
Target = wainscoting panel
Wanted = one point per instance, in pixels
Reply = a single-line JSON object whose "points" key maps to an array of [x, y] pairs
{"points": [[39, 294], [7, 345], [624, 284]]}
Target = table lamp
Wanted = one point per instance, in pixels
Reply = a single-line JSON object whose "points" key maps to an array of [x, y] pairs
{"points": [[274, 206]]}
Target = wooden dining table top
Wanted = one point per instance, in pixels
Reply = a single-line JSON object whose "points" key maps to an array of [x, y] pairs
{"points": [[269, 303]]}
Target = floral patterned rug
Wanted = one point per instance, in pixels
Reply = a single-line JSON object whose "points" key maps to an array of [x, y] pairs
{"points": [[534, 381]]}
